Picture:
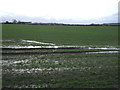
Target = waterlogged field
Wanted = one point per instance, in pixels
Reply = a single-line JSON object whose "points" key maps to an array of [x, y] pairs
{"points": [[61, 71], [37, 56]]}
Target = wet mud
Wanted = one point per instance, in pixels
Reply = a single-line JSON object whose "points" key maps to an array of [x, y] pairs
{"points": [[67, 52]]}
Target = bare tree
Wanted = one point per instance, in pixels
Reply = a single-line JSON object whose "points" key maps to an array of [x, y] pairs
{"points": [[14, 21]]}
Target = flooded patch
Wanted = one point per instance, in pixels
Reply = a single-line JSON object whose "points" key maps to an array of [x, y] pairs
{"points": [[23, 43], [61, 47], [31, 86], [30, 41], [103, 52], [36, 70], [52, 45], [105, 48], [41, 45], [56, 62], [9, 62]]}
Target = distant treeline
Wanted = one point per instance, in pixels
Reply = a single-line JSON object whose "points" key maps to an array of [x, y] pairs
{"points": [[30, 23]]}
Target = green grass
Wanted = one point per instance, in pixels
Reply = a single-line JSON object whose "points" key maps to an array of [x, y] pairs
{"points": [[84, 71], [63, 35], [60, 70]]}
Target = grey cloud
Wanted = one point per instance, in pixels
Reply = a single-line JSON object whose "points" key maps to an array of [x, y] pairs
{"points": [[10, 16]]}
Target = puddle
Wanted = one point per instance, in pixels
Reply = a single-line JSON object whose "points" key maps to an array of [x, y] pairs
{"points": [[49, 70], [9, 62], [30, 41], [56, 62], [36, 70], [103, 52], [11, 46], [55, 47], [31, 86], [105, 48]]}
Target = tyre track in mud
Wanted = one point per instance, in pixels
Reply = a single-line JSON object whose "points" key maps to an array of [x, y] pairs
{"points": [[40, 48], [68, 52]]}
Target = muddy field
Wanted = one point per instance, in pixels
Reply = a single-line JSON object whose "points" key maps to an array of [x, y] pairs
{"points": [[60, 71], [35, 56], [46, 65], [24, 47]]}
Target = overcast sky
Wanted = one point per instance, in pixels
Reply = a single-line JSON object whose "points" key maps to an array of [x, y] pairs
{"points": [[60, 11]]}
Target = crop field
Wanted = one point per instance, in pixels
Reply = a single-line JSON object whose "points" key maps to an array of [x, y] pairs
{"points": [[63, 35], [56, 56]]}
